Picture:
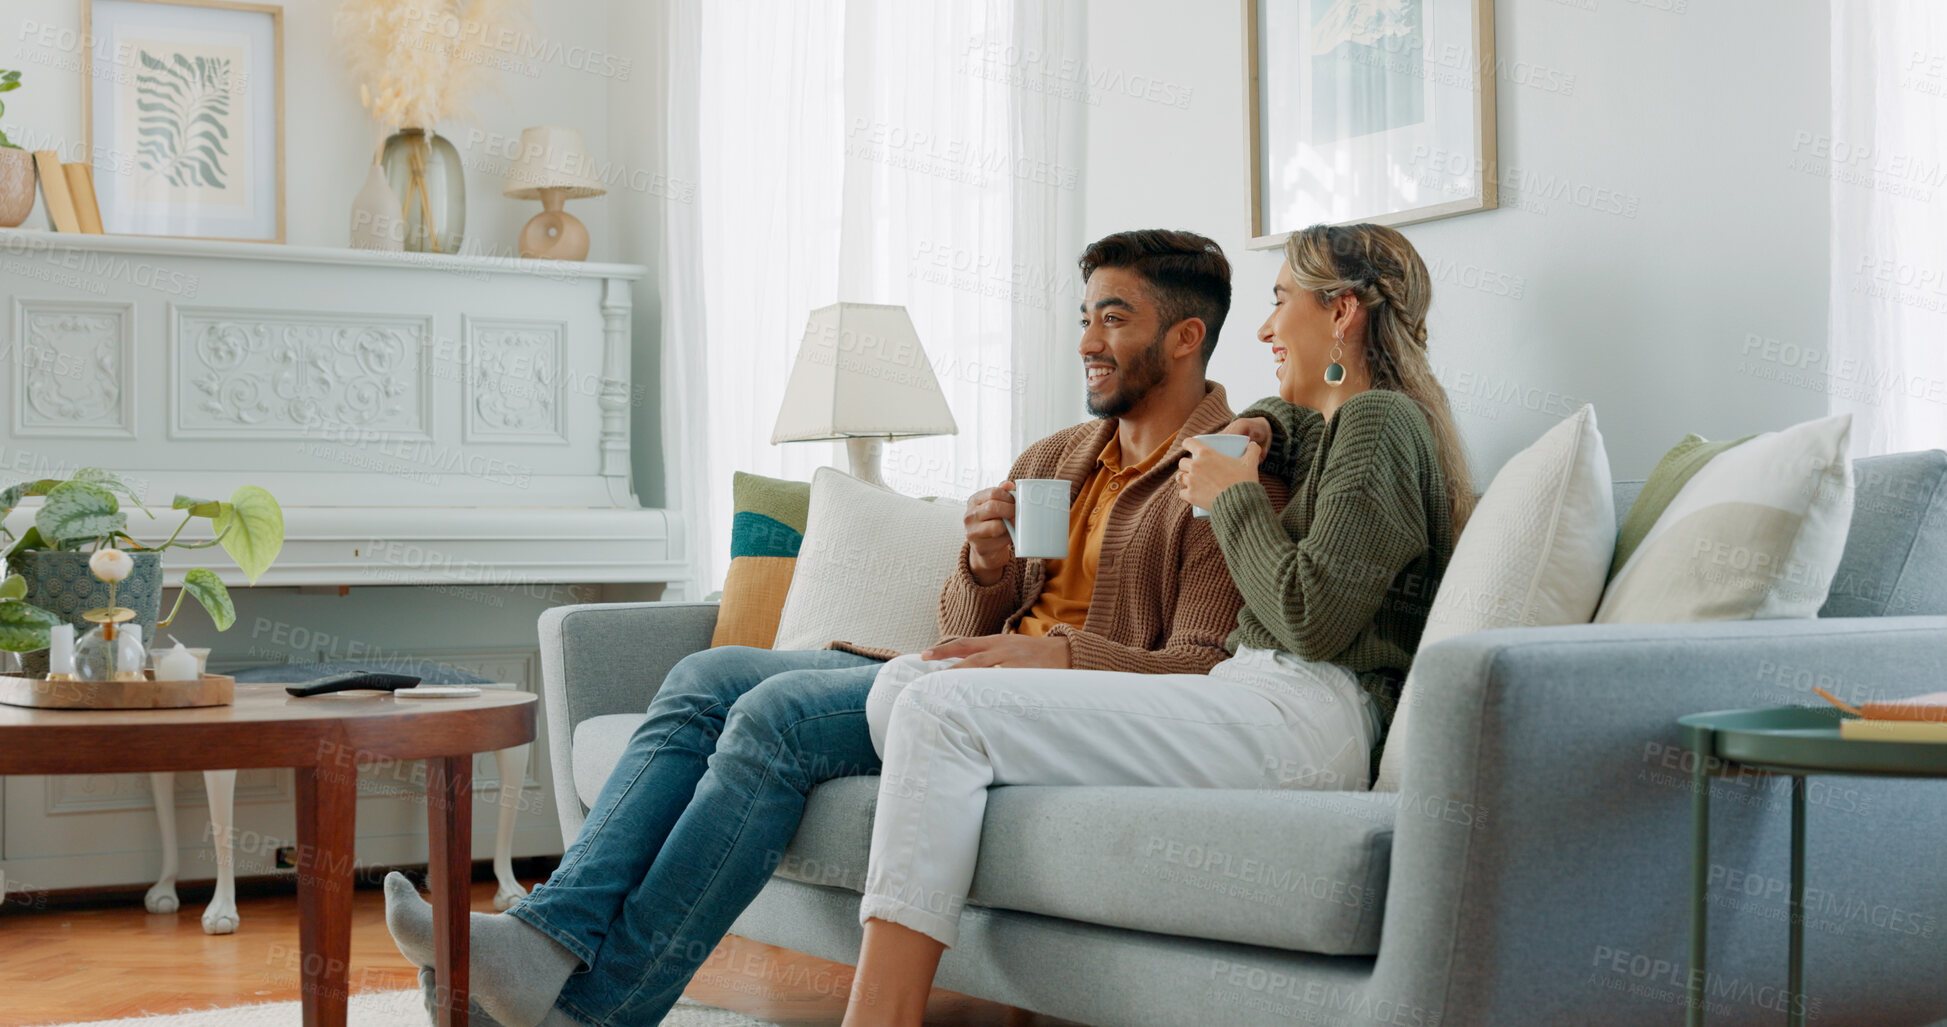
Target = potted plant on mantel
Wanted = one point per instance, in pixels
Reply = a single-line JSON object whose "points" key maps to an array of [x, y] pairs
{"points": [[50, 582], [16, 168]]}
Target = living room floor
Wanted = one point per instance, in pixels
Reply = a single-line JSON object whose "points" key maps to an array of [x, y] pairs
{"points": [[68, 959]]}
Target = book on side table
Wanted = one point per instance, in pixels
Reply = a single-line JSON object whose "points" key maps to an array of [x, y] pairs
{"points": [[1922, 718]]}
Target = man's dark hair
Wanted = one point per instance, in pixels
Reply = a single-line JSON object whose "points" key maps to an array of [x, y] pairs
{"points": [[1187, 273]]}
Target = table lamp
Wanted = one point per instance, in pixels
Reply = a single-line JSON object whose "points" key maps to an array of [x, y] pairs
{"points": [[861, 376], [549, 169]]}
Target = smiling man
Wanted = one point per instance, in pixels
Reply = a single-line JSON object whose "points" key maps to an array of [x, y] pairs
{"points": [[1144, 587], [710, 789]]}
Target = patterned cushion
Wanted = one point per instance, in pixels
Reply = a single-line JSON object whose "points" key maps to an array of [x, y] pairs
{"points": [[1754, 530], [765, 532]]}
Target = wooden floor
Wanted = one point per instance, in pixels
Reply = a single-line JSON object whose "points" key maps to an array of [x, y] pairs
{"points": [[61, 962]]}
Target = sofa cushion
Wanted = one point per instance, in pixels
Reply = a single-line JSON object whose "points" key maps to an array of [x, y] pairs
{"points": [[1298, 870], [1895, 561], [599, 742], [1747, 531], [766, 529], [871, 567], [1535, 553]]}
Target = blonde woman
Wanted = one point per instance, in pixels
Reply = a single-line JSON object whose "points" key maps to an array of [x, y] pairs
{"points": [[1336, 587]]}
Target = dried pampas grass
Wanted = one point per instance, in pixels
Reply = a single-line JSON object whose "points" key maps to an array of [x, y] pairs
{"points": [[420, 62]]}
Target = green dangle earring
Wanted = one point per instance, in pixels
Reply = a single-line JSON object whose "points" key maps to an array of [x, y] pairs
{"points": [[1335, 371]]}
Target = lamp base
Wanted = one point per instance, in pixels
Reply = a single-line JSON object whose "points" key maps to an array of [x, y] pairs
{"points": [[554, 234], [864, 455]]}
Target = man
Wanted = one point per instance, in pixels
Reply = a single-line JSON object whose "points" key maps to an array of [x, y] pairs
{"points": [[710, 789]]}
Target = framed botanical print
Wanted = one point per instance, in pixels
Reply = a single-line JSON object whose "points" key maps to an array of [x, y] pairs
{"points": [[1367, 110], [184, 111]]}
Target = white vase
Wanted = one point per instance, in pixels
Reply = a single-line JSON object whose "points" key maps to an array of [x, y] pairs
{"points": [[376, 223]]}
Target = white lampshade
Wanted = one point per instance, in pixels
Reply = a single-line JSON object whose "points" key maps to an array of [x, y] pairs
{"points": [[551, 157], [860, 373]]}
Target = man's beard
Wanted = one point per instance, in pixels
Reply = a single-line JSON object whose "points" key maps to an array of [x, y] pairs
{"points": [[1134, 381]]}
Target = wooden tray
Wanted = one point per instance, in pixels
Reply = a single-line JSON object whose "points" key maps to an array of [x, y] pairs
{"points": [[212, 690]]}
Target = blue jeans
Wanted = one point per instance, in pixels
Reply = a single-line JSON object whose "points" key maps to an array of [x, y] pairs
{"points": [[694, 819]]}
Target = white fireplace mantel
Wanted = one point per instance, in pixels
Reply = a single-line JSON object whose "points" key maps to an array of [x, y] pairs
{"points": [[423, 419]]}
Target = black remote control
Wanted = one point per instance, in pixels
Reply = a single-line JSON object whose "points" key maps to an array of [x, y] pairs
{"points": [[353, 680]]}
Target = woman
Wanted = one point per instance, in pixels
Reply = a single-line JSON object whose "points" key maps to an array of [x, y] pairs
{"points": [[1336, 588]]}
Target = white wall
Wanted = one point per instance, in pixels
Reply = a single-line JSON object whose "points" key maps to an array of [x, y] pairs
{"points": [[328, 139], [1692, 114]]}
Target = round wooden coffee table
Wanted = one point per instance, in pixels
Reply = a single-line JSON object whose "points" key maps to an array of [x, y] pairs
{"points": [[327, 739]]}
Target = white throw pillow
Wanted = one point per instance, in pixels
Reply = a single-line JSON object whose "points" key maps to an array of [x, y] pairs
{"points": [[870, 569], [1535, 552], [1756, 533]]}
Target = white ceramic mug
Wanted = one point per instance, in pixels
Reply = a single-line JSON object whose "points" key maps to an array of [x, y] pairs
{"points": [[1230, 446], [1040, 524]]}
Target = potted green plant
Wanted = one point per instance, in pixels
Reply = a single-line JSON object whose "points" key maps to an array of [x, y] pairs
{"points": [[16, 167], [82, 515]]}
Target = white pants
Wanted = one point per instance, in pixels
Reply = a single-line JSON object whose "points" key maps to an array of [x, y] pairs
{"points": [[1261, 719]]}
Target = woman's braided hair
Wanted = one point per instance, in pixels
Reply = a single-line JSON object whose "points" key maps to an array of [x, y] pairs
{"points": [[1383, 271]]}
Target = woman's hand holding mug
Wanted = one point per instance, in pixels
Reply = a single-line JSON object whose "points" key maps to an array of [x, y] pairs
{"points": [[1205, 473], [1257, 429]]}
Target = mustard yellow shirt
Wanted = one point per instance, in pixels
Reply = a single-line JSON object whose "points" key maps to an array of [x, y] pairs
{"points": [[1071, 581]]}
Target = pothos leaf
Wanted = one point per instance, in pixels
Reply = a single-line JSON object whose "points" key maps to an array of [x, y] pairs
{"points": [[207, 589], [77, 511], [109, 481], [23, 626], [252, 529]]}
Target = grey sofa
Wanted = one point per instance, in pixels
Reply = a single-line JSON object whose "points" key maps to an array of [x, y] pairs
{"points": [[1533, 870]]}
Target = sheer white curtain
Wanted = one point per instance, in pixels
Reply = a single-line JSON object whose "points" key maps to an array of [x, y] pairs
{"points": [[1888, 153], [874, 151]]}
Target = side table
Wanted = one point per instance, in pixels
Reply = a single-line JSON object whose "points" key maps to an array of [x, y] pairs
{"points": [[326, 739], [1790, 740]]}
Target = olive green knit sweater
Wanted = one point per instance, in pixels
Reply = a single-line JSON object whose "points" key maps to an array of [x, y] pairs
{"points": [[1346, 572]]}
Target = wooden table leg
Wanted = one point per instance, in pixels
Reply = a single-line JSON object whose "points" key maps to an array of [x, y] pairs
{"points": [[326, 809], [449, 828]]}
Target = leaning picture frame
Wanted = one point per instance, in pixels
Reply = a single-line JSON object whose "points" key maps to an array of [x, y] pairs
{"points": [[1360, 111], [183, 117]]}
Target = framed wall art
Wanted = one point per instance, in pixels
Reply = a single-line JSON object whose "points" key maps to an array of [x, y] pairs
{"points": [[1367, 110], [184, 111]]}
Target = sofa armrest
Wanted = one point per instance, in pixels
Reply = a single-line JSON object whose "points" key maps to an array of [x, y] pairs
{"points": [[602, 658], [1544, 823]]}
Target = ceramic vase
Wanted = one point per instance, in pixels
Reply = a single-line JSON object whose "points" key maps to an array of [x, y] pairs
{"points": [[424, 171]]}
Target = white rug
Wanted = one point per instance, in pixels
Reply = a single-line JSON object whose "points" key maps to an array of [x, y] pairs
{"points": [[389, 1009]]}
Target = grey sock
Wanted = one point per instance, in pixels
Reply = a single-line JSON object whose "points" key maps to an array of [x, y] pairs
{"points": [[475, 1016], [410, 919], [515, 972]]}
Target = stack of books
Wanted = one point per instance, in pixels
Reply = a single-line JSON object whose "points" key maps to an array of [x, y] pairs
{"points": [[68, 194], [1922, 718]]}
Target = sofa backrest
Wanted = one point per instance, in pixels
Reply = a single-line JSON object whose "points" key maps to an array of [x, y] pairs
{"points": [[1895, 561]]}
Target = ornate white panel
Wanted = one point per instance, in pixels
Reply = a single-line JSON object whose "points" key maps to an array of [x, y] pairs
{"points": [[246, 374], [74, 367], [516, 380]]}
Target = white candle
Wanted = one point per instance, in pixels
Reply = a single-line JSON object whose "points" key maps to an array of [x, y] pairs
{"points": [[178, 664], [60, 649]]}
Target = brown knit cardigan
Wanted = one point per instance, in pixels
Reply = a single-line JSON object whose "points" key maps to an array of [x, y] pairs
{"points": [[1163, 602]]}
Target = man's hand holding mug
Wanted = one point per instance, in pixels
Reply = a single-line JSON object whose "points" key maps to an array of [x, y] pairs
{"points": [[989, 547]]}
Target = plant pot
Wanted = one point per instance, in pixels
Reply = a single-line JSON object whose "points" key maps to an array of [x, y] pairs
{"points": [[16, 185], [424, 171], [61, 584]]}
